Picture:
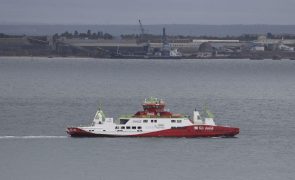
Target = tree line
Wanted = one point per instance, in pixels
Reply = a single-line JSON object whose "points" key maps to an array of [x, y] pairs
{"points": [[155, 38], [85, 35]]}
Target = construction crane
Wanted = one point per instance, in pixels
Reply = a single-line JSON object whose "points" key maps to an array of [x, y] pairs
{"points": [[143, 40], [141, 27], [141, 36]]}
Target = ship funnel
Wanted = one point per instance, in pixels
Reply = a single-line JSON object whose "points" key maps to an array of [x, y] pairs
{"points": [[208, 117], [99, 117], [197, 118]]}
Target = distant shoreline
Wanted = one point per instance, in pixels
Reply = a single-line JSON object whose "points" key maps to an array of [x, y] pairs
{"points": [[78, 57], [172, 29]]}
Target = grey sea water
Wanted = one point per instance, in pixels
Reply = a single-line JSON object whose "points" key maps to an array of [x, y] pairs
{"points": [[39, 97]]}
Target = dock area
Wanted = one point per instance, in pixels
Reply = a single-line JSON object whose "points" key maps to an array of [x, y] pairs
{"points": [[149, 46]]}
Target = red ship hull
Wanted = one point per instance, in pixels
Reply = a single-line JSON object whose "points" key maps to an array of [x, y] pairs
{"points": [[188, 132]]}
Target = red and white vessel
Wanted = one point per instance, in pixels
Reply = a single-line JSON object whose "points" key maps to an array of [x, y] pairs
{"points": [[154, 121]]}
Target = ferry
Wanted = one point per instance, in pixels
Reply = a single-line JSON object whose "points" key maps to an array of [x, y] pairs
{"points": [[154, 121]]}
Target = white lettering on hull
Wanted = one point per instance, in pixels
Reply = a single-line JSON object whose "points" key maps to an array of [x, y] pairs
{"points": [[202, 128]]}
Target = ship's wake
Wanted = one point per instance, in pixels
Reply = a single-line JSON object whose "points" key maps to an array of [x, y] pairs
{"points": [[32, 137]]}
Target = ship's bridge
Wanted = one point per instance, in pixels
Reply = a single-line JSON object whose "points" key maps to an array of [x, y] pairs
{"points": [[154, 108], [153, 105]]}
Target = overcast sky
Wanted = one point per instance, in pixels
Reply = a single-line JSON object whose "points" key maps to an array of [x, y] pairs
{"points": [[150, 11]]}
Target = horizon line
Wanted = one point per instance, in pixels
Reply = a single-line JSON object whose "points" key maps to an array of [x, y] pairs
{"points": [[157, 24]]}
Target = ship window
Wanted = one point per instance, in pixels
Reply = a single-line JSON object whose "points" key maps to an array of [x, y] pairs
{"points": [[145, 121], [127, 127], [117, 127], [178, 121], [139, 127], [123, 121], [173, 121], [155, 121], [122, 127], [133, 127], [152, 121]]}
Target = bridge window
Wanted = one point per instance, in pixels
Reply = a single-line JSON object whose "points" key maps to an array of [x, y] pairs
{"points": [[123, 121], [127, 127], [173, 121], [178, 121], [122, 127], [133, 127], [145, 121], [139, 127]]}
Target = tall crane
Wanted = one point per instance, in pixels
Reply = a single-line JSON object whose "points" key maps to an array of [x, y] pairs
{"points": [[143, 39], [141, 27]]}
